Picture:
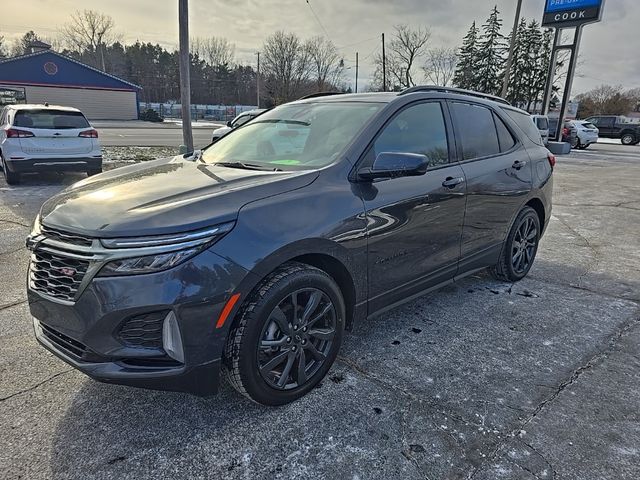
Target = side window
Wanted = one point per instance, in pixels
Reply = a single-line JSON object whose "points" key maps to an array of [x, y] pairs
{"points": [[505, 138], [241, 120], [595, 121], [476, 130], [608, 122], [417, 129]]}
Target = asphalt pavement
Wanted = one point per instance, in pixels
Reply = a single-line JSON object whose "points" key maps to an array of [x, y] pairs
{"points": [[481, 380], [146, 134]]}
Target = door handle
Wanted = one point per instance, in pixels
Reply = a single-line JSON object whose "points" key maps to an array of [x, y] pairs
{"points": [[518, 164], [452, 182]]}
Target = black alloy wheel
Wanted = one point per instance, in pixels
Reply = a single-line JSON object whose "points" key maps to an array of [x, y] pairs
{"points": [[286, 335], [524, 246], [296, 339], [520, 247]]}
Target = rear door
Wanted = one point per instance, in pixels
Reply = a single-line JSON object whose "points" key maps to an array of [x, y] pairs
{"points": [[414, 223], [607, 126], [55, 132], [498, 174]]}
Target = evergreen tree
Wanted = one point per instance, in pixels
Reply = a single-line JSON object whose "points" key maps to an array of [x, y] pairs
{"points": [[491, 57], [465, 76], [515, 93], [532, 64]]}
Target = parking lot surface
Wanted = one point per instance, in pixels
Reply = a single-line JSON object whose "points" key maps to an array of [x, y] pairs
{"points": [[146, 134], [481, 380]]}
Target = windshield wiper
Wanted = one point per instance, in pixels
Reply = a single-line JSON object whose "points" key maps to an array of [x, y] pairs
{"points": [[286, 122], [247, 166]]}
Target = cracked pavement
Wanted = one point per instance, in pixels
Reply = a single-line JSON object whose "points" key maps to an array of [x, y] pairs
{"points": [[481, 380]]}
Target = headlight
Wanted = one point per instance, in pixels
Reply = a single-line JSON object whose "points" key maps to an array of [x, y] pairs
{"points": [[148, 264], [182, 246]]}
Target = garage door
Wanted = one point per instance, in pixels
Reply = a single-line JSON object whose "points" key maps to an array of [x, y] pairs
{"points": [[95, 104]]}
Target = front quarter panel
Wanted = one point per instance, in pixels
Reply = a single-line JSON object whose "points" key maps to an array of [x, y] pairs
{"points": [[326, 217]]}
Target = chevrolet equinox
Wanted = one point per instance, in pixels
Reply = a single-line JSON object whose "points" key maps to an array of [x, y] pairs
{"points": [[253, 256]]}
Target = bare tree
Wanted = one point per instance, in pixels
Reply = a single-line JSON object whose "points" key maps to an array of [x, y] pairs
{"points": [[285, 65], [90, 31], [406, 47], [216, 51], [440, 65], [606, 100], [325, 63]]}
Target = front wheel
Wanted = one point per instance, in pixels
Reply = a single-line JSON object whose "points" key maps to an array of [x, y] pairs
{"points": [[628, 139], [287, 337], [520, 248]]}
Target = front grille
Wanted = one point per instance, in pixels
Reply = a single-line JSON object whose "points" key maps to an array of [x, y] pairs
{"points": [[144, 330], [65, 237], [56, 275], [68, 344]]}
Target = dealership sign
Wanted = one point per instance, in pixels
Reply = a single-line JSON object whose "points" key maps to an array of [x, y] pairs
{"points": [[571, 13]]}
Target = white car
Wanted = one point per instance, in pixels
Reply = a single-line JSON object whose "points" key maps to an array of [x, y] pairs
{"points": [[36, 138], [587, 133], [240, 120], [542, 124]]}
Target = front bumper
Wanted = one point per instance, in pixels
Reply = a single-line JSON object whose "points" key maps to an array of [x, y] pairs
{"points": [[87, 333], [68, 164]]}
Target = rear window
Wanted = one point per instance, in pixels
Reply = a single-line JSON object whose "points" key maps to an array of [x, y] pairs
{"points": [[523, 120], [588, 125], [542, 123], [477, 130], [52, 119]]}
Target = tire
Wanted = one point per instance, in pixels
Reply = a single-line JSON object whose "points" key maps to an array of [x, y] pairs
{"points": [[265, 344], [512, 267], [11, 178], [94, 171], [575, 143], [629, 139]]}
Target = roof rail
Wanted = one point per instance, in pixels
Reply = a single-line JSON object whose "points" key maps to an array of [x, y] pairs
{"points": [[461, 91], [319, 94]]}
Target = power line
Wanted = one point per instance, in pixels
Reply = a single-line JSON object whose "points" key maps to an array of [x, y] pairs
{"points": [[317, 19]]}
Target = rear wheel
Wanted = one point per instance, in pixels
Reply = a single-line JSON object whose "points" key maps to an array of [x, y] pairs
{"points": [[287, 337], [11, 178], [520, 248], [629, 139]]}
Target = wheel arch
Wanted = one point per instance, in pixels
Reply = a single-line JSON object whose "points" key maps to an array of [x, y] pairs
{"points": [[538, 206]]}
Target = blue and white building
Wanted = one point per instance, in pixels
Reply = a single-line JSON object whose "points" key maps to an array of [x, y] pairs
{"points": [[48, 76]]}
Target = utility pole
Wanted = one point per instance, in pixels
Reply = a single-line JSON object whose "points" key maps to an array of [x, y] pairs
{"points": [[512, 47], [384, 67], [356, 72], [185, 77], [258, 82]]}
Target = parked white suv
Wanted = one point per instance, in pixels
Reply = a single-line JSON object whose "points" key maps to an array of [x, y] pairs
{"points": [[237, 122], [36, 138]]}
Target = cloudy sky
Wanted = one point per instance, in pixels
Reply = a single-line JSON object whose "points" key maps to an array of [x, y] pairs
{"points": [[609, 49]]}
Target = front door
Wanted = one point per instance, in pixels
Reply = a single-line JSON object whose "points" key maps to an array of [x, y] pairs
{"points": [[414, 223]]}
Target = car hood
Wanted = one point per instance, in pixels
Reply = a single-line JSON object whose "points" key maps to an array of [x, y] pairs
{"points": [[222, 131], [163, 196]]}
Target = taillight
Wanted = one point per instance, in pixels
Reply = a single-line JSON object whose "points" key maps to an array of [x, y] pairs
{"points": [[89, 133], [565, 132], [552, 159], [16, 133]]}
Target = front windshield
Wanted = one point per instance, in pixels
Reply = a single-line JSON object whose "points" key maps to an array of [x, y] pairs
{"points": [[294, 137]]}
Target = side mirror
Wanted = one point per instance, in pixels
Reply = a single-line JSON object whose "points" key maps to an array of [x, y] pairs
{"points": [[229, 124], [394, 164]]}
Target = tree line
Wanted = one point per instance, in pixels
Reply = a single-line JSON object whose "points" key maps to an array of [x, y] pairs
{"points": [[291, 67]]}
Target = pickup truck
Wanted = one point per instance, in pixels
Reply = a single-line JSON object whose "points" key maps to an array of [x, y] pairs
{"points": [[612, 126]]}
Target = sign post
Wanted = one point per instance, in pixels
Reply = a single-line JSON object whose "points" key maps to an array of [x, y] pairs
{"points": [[562, 14]]}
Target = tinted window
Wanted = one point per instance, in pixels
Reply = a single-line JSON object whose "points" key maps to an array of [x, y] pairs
{"points": [[543, 123], [417, 129], [504, 135], [476, 130], [53, 119], [523, 120]]}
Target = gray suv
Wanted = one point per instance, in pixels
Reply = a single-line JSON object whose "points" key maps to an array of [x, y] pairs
{"points": [[253, 256]]}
